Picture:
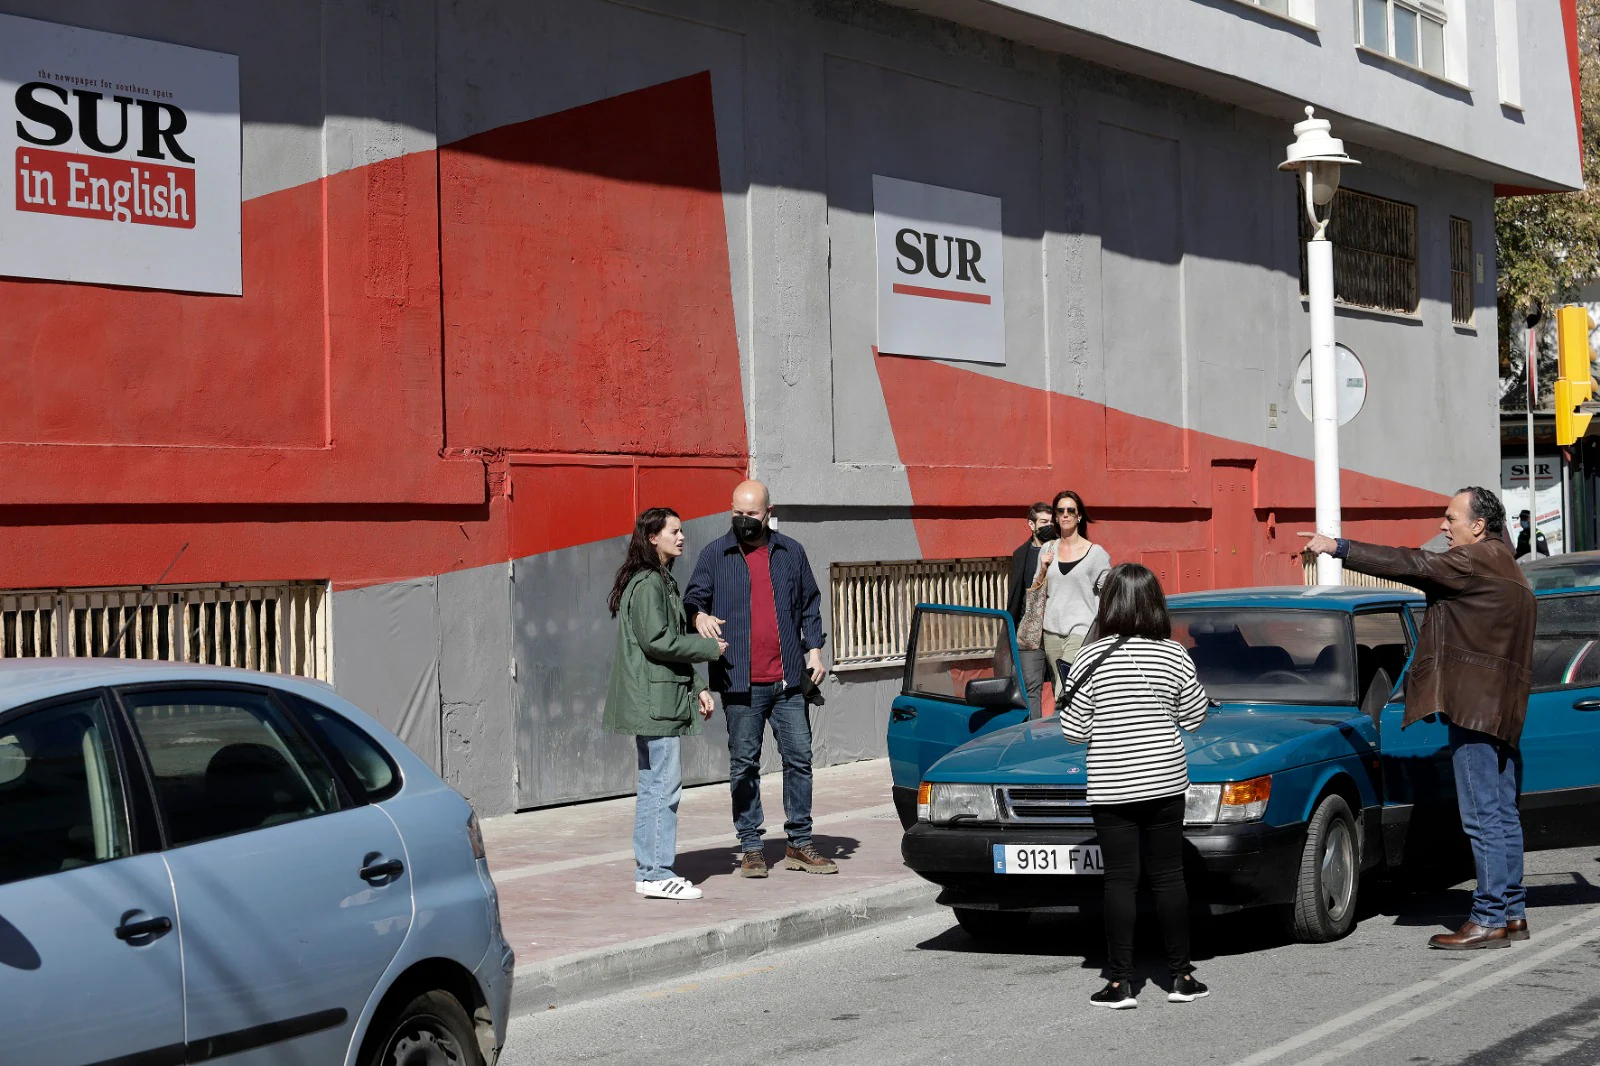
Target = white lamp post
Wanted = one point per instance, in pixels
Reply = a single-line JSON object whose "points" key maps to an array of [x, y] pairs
{"points": [[1318, 156]]}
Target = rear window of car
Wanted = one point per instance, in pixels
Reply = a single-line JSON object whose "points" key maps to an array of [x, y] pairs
{"points": [[1250, 655], [371, 766]]}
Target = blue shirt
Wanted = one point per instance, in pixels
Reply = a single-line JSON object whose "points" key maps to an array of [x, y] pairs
{"points": [[720, 586]]}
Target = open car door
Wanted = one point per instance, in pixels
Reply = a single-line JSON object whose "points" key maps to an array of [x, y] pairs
{"points": [[1561, 736], [962, 679]]}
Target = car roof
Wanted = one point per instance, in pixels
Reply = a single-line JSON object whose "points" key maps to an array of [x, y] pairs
{"points": [[1588, 558], [1297, 597], [30, 680]]}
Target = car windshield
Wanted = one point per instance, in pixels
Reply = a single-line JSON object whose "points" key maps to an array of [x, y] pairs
{"points": [[1270, 656], [1559, 573]]}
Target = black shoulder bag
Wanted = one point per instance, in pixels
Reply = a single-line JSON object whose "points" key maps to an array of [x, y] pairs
{"points": [[1063, 668]]}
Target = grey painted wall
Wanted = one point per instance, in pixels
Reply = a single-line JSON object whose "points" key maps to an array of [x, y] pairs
{"points": [[386, 658], [477, 724]]}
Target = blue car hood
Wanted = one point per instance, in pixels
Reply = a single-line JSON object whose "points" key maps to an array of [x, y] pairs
{"points": [[1233, 744]]}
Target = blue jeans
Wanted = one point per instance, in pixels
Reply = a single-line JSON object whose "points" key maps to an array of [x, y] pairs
{"points": [[655, 808], [791, 725], [1486, 789]]}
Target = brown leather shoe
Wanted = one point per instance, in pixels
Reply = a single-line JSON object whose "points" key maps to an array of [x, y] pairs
{"points": [[754, 864], [809, 859], [1516, 928], [1470, 937]]}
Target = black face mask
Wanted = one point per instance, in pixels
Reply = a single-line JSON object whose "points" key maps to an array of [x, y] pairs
{"points": [[1046, 533], [747, 529]]}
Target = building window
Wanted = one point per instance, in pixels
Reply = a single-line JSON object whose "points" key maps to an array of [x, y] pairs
{"points": [[281, 628], [873, 602], [1302, 11], [1413, 33], [1374, 251], [1460, 271]]}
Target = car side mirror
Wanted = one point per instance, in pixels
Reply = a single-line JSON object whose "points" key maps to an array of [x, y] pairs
{"points": [[993, 692]]}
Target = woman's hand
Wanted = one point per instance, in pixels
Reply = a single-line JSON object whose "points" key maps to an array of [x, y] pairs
{"points": [[722, 647], [707, 706]]}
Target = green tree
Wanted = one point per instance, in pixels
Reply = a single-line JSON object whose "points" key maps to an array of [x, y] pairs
{"points": [[1549, 246]]}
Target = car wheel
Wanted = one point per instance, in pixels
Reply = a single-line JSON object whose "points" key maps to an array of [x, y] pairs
{"points": [[991, 925], [1330, 875], [430, 1030]]}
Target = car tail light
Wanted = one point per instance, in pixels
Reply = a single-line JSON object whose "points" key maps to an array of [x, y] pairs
{"points": [[475, 835], [1245, 801], [924, 801]]}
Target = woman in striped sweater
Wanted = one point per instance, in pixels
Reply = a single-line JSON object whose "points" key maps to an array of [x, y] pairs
{"points": [[1126, 696]]}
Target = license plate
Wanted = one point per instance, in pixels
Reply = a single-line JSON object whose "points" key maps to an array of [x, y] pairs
{"points": [[1048, 859]]}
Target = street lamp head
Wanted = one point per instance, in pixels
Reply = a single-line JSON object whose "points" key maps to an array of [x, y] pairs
{"points": [[1318, 155], [1316, 149]]}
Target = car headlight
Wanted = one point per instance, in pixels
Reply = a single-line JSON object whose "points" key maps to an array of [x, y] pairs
{"points": [[1200, 804], [1236, 801], [949, 803]]}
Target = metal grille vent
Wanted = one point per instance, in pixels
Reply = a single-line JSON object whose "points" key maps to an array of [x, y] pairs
{"points": [[279, 628], [873, 602]]}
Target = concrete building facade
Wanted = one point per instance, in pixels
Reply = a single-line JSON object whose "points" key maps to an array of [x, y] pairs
{"points": [[513, 272]]}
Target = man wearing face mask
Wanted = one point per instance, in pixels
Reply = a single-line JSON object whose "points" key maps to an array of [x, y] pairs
{"points": [[753, 587], [1024, 571]]}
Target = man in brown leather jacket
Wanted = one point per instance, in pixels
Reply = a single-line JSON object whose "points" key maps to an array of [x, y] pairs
{"points": [[1472, 667]]}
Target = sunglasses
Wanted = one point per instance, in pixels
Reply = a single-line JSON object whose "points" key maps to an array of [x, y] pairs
{"points": [[1067, 510]]}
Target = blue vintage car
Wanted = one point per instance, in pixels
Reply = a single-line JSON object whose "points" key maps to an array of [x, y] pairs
{"points": [[1301, 777]]}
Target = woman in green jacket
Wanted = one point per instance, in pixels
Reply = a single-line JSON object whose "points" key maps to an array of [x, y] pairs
{"points": [[655, 692]]}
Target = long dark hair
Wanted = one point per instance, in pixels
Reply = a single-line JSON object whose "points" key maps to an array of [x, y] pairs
{"points": [[1083, 512], [1132, 605], [641, 553]]}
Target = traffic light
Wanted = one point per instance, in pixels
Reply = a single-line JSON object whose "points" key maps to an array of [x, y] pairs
{"points": [[1573, 385]]}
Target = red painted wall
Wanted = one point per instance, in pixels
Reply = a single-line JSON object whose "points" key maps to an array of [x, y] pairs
{"points": [[993, 447], [509, 347]]}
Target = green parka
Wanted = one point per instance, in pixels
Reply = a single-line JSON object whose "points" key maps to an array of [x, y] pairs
{"points": [[653, 681]]}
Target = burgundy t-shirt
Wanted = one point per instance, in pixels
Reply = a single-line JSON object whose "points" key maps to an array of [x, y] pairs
{"points": [[766, 656]]}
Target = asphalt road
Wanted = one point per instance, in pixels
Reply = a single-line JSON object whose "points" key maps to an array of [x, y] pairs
{"points": [[920, 991]]}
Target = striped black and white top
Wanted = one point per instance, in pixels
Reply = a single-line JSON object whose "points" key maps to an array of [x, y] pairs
{"points": [[1129, 711]]}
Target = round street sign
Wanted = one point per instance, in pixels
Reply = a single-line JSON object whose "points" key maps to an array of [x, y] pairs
{"points": [[1352, 378]]}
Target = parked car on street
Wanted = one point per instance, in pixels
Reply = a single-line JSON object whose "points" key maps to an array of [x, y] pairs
{"points": [[1569, 571], [1301, 777], [203, 864]]}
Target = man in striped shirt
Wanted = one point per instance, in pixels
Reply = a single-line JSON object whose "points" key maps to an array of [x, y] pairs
{"points": [[753, 587]]}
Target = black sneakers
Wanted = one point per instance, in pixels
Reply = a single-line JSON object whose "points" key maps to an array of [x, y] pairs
{"points": [[1118, 995], [1186, 990]]}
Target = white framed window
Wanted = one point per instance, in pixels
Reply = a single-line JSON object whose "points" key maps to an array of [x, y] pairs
{"points": [[1507, 54], [1304, 11], [1413, 31]]}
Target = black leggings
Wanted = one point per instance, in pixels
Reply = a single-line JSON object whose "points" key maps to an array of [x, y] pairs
{"points": [[1151, 831]]}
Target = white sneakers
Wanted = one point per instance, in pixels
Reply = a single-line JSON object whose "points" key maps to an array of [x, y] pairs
{"points": [[671, 888]]}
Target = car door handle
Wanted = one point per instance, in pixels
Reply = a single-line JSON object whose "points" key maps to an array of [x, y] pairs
{"points": [[149, 927], [382, 871], [1586, 705], [900, 714]]}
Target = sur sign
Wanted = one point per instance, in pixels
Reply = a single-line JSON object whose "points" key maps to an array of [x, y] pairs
{"points": [[1351, 378], [941, 276], [122, 160]]}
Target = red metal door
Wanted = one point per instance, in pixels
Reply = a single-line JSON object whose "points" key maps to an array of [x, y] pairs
{"points": [[1233, 524]]}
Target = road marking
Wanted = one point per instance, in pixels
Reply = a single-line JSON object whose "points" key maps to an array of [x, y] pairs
{"points": [[1378, 1006], [517, 873]]}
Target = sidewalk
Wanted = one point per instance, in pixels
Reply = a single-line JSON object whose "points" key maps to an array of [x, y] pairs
{"points": [[565, 877]]}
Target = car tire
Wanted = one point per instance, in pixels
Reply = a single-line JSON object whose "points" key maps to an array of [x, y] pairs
{"points": [[992, 925], [431, 1028], [1330, 875]]}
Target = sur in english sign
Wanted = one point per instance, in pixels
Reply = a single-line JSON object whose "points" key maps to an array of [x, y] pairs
{"points": [[941, 276], [122, 160]]}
